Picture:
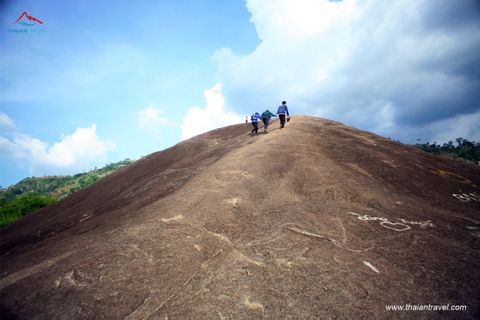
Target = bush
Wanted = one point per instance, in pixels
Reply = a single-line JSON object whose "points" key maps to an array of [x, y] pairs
{"points": [[25, 204]]}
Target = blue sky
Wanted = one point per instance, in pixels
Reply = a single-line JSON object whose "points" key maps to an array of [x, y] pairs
{"points": [[114, 80]]}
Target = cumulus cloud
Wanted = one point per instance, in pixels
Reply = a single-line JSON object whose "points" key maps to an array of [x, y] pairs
{"points": [[150, 120], [461, 126], [6, 122], [214, 115], [382, 66], [10, 150], [74, 152]]}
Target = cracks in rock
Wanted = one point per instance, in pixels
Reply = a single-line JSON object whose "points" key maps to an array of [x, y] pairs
{"points": [[236, 252], [153, 303], [300, 230], [142, 252], [11, 279], [203, 265], [147, 309], [335, 242]]}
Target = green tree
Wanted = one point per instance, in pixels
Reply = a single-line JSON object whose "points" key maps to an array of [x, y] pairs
{"points": [[459, 141], [25, 204]]}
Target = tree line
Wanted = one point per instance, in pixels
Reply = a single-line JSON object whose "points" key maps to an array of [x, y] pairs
{"points": [[23, 205], [34, 193], [464, 149]]}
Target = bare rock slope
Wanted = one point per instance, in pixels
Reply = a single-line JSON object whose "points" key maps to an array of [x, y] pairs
{"points": [[317, 220]]}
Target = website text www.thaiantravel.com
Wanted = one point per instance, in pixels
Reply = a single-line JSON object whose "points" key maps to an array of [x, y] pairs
{"points": [[425, 307]]}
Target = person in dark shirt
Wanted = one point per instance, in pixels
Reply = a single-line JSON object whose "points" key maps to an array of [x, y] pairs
{"points": [[282, 110], [266, 118]]}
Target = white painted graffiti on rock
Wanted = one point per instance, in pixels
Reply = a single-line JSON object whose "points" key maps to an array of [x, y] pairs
{"points": [[467, 197], [403, 225], [422, 224]]}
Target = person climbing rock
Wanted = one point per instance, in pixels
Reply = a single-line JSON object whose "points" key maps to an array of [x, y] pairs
{"points": [[254, 118], [265, 119], [282, 110]]}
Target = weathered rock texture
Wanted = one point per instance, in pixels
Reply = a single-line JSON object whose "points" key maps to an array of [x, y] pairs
{"points": [[317, 220]]}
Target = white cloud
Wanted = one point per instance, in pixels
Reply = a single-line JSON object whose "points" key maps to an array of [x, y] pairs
{"points": [[6, 122], [214, 116], [382, 66], [78, 151], [461, 126], [442, 131], [150, 120], [294, 19], [10, 150]]}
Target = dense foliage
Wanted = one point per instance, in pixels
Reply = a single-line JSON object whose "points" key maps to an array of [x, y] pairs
{"points": [[22, 206], [34, 193], [467, 150]]}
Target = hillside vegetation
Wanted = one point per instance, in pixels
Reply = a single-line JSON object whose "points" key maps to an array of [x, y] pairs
{"points": [[466, 150], [34, 193]]}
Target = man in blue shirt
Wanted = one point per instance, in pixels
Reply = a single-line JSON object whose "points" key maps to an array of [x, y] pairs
{"points": [[282, 110], [255, 117]]}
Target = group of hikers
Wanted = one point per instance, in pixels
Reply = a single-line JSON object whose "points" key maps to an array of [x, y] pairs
{"points": [[267, 115]]}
